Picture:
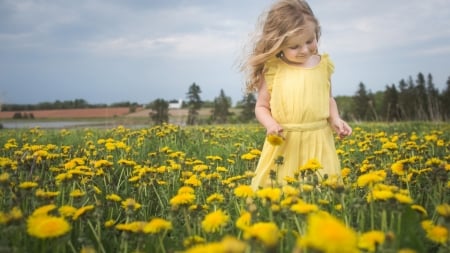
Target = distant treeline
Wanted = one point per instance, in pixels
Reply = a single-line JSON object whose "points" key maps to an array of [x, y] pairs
{"points": [[410, 100], [68, 104]]}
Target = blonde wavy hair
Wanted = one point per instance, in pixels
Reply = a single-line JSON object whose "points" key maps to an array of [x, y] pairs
{"points": [[284, 19]]}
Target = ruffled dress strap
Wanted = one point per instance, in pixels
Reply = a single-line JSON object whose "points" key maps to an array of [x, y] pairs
{"points": [[329, 64], [270, 69]]}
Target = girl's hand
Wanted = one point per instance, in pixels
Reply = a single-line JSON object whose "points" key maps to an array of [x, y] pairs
{"points": [[274, 129], [341, 127]]}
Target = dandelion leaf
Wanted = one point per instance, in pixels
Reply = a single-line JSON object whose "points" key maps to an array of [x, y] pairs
{"points": [[411, 233]]}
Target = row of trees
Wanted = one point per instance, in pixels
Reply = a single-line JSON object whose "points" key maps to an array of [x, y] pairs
{"points": [[67, 104], [410, 100], [220, 108]]}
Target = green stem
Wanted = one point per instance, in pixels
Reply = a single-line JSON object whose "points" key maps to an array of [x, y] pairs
{"points": [[161, 244], [97, 237]]}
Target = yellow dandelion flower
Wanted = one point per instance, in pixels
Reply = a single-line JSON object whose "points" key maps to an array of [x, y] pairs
{"points": [[255, 151], [157, 225], [426, 224], [275, 208], [130, 204], [290, 180], [307, 188], [46, 194], [371, 178], [311, 165], [433, 162], [81, 211], [114, 197], [438, 234], [379, 195], [193, 181], [67, 211], [77, 193], [275, 139], [44, 226], [290, 191], [43, 210], [322, 227], [270, 194], [15, 213], [324, 202], [265, 232], [345, 172], [208, 247], [406, 251], [304, 208], [398, 169], [215, 221], [193, 240], [447, 167], [232, 244], [420, 209], [244, 191], [28, 185], [135, 227], [4, 177], [390, 146], [88, 249], [369, 241], [248, 156], [4, 218], [227, 244], [109, 223], [62, 177], [186, 189], [443, 210], [182, 199], [244, 220], [215, 197], [200, 167], [403, 198], [102, 163], [97, 190]]}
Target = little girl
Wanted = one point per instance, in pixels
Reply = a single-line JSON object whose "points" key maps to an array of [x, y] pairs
{"points": [[294, 100]]}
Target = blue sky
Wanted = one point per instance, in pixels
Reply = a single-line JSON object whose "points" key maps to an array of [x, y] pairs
{"points": [[107, 51]]}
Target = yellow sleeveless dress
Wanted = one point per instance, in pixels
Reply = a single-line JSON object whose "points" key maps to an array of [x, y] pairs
{"points": [[300, 103]]}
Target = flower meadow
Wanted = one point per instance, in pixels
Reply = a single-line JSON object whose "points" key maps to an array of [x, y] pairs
{"points": [[168, 188]]}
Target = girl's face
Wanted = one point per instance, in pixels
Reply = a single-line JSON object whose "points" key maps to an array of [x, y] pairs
{"points": [[300, 47]]}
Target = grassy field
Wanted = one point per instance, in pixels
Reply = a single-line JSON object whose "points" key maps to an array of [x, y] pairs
{"points": [[186, 189]]}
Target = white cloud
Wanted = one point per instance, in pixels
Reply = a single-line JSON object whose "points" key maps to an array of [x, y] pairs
{"points": [[386, 24], [207, 44]]}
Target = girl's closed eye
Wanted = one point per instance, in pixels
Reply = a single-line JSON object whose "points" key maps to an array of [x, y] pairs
{"points": [[294, 47]]}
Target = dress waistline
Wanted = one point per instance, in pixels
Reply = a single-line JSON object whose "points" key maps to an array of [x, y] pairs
{"points": [[302, 127]]}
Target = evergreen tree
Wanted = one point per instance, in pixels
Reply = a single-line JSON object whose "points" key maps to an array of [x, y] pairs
{"points": [[345, 105], [390, 104], [360, 103], [160, 111], [221, 111], [248, 108], [432, 100], [194, 103], [420, 98], [445, 101], [404, 94]]}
